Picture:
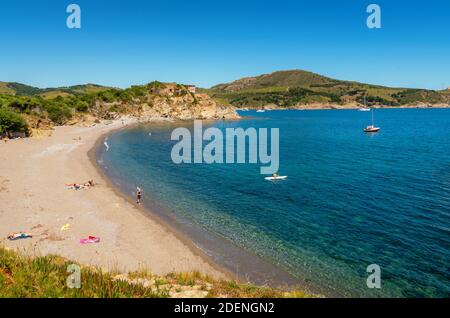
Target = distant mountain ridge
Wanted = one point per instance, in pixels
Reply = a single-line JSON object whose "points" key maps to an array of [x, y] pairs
{"points": [[301, 89], [18, 89], [290, 78]]}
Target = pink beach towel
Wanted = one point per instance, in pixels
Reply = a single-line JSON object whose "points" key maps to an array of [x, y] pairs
{"points": [[90, 239]]}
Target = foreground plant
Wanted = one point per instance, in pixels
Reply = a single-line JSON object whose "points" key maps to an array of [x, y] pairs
{"points": [[46, 276]]}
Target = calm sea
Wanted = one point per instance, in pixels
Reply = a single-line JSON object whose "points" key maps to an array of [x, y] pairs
{"points": [[351, 199]]}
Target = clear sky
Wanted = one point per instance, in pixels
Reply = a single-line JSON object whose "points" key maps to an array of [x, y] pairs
{"points": [[210, 42]]}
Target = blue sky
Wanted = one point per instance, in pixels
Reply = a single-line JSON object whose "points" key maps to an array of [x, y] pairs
{"points": [[210, 42]]}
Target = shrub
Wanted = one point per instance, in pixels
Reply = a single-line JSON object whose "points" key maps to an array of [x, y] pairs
{"points": [[11, 122], [81, 106], [59, 114], [108, 96]]}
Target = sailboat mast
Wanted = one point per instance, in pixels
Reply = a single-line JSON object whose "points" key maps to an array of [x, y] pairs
{"points": [[373, 124]]}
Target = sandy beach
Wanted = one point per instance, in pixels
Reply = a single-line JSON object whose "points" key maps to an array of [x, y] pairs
{"points": [[34, 199]]}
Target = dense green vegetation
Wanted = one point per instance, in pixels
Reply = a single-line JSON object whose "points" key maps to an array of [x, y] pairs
{"points": [[11, 122], [286, 98], [62, 108], [22, 277], [46, 276], [293, 88], [58, 110]]}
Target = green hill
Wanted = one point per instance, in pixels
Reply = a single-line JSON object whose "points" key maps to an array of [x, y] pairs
{"points": [[18, 89], [297, 88], [277, 79]]}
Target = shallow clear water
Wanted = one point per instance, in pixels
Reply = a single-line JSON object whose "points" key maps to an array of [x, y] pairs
{"points": [[351, 199]]}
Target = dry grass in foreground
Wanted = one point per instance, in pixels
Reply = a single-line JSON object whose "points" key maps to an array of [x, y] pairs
{"points": [[46, 276]]}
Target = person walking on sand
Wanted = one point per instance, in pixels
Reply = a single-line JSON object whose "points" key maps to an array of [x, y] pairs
{"points": [[138, 195]]}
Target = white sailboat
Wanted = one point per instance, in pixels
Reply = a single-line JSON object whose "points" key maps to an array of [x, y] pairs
{"points": [[372, 128], [365, 108]]}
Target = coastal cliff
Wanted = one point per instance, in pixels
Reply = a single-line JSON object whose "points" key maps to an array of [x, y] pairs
{"points": [[166, 101], [42, 109]]}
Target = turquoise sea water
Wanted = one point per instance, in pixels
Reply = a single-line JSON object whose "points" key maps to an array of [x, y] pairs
{"points": [[351, 199]]}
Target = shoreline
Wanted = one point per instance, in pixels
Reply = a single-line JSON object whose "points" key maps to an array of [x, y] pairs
{"points": [[213, 249], [339, 107], [34, 199], [92, 155]]}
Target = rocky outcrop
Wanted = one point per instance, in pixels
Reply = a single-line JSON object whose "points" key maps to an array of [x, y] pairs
{"points": [[185, 106], [155, 101], [168, 101], [38, 127]]}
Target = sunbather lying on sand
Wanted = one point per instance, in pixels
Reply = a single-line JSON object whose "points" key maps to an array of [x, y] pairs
{"points": [[76, 186], [18, 236]]}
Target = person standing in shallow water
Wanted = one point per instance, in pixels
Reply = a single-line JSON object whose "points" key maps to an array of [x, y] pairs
{"points": [[138, 195]]}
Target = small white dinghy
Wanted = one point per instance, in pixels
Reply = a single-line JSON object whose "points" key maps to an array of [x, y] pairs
{"points": [[275, 178]]}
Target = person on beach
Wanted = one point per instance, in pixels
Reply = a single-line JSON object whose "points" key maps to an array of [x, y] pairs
{"points": [[138, 196], [74, 186], [106, 144], [90, 183]]}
